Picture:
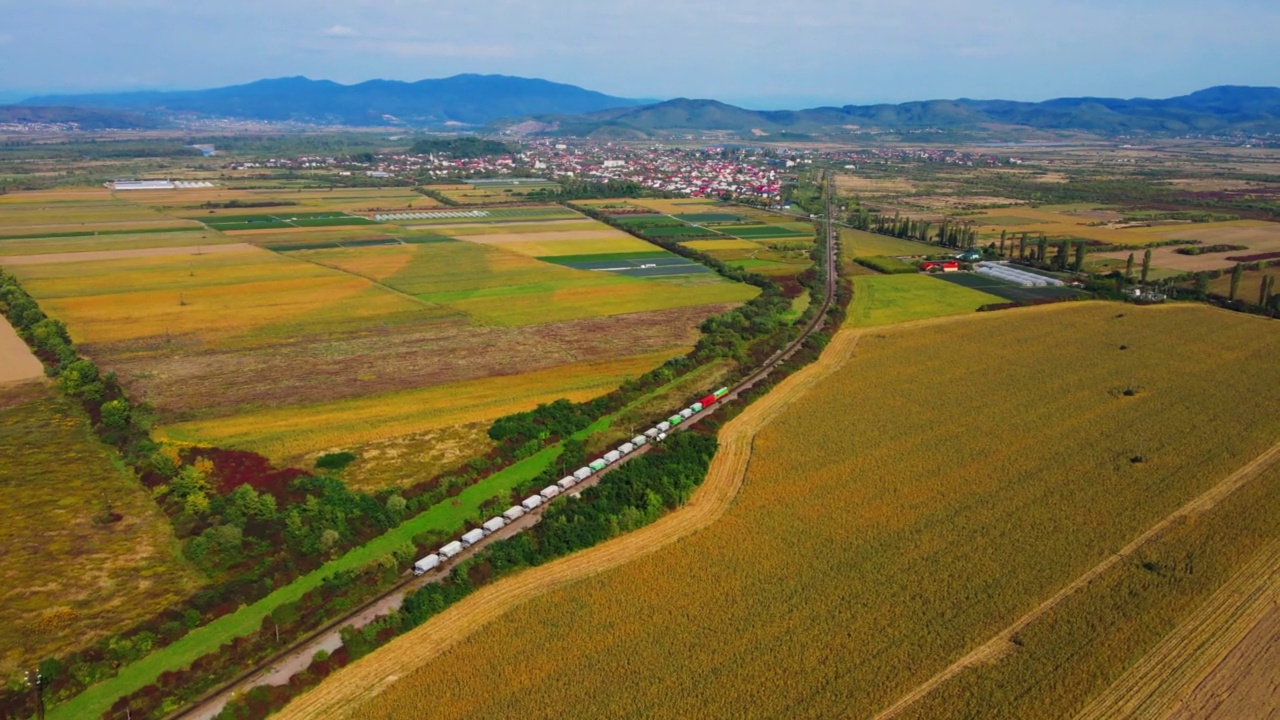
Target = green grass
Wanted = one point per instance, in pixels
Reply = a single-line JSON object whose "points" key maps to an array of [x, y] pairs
{"points": [[681, 231], [710, 218], [857, 243], [887, 265], [762, 232], [888, 299]]}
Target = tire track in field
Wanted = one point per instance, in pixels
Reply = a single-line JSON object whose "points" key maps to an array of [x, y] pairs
{"points": [[340, 695], [1167, 674], [998, 645]]}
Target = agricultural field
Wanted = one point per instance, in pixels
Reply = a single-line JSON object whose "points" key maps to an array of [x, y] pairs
{"points": [[1253, 236], [70, 211], [1006, 290], [858, 243], [348, 200], [890, 299], [401, 339], [892, 569], [490, 192], [111, 241], [455, 216], [69, 576]]}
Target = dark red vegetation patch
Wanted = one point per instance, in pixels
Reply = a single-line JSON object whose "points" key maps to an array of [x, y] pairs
{"points": [[233, 468]]}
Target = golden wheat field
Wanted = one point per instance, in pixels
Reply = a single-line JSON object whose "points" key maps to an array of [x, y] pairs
{"points": [[946, 480]]}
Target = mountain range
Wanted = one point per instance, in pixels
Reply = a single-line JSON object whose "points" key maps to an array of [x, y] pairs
{"points": [[463, 99], [522, 106]]}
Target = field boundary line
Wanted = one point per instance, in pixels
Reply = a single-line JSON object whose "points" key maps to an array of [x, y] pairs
{"points": [[996, 646], [340, 695], [1170, 671]]}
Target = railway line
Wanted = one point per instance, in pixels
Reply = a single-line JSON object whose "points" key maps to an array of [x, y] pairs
{"points": [[277, 669]]}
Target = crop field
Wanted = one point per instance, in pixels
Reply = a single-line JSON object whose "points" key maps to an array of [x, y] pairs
{"points": [[889, 299], [924, 522], [113, 241], [586, 241], [671, 207], [766, 232], [857, 243], [495, 192], [1255, 235], [71, 211], [715, 245], [495, 214], [1003, 289], [17, 362], [68, 580], [295, 432], [351, 200]]}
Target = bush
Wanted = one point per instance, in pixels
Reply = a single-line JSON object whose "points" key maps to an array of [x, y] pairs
{"points": [[335, 461], [887, 265]]}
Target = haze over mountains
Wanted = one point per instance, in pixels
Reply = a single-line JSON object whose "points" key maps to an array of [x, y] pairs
{"points": [[539, 107]]}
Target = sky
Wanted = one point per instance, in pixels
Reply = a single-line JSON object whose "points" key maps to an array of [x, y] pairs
{"points": [[763, 55]]}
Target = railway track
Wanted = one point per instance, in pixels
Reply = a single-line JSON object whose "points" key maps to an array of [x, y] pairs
{"points": [[276, 669]]}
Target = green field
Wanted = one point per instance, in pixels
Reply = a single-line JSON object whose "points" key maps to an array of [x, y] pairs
{"points": [[889, 299], [857, 243], [710, 217], [762, 232], [679, 231]]}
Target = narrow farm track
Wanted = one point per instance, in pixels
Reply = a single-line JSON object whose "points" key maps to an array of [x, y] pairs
{"points": [[1168, 674], [998, 645], [340, 695]]}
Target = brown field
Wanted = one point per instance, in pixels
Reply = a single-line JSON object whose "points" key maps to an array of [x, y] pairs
{"points": [[65, 580], [353, 200], [16, 361], [861, 185], [860, 555], [1244, 684], [1250, 283]]}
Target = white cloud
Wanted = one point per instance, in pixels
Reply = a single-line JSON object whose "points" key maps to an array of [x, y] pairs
{"points": [[340, 31]]}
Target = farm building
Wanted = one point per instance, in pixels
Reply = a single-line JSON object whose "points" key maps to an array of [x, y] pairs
{"points": [[940, 266]]}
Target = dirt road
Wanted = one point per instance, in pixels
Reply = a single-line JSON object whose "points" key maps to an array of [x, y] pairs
{"points": [[17, 364], [96, 255], [996, 646], [340, 695], [1173, 669]]}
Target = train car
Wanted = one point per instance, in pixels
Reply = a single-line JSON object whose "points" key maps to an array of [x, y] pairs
{"points": [[493, 525], [598, 465], [612, 457], [686, 413], [721, 392], [450, 550], [652, 433], [582, 473], [640, 440], [661, 437], [708, 401], [675, 420], [566, 483], [426, 564], [471, 537], [664, 426], [627, 448], [513, 513], [549, 492], [696, 407], [531, 502]]}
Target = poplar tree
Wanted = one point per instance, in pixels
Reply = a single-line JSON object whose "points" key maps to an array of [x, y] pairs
{"points": [[1080, 257], [1128, 267], [1146, 265], [1237, 274]]}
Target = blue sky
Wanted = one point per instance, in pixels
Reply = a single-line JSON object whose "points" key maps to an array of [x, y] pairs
{"points": [[761, 54]]}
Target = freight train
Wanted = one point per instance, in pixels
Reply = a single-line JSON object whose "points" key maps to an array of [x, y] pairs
{"points": [[655, 434]]}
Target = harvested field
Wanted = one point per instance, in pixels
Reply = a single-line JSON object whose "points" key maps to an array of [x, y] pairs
{"points": [[873, 599], [99, 255], [577, 242], [289, 433], [67, 581], [1244, 684], [17, 363], [856, 185], [726, 244]]}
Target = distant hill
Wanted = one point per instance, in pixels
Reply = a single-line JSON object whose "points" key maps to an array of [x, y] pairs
{"points": [[467, 99], [85, 118], [1215, 110]]}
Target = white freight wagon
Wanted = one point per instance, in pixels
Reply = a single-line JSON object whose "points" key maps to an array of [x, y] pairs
{"points": [[513, 513], [493, 525], [652, 433], [426, 564], [639, 440], [450, 550], [627, 448], [471, 537], [549, 492], [582, 473], [531, 502], [686, 413], [611, 457], [661, 437], [664, 426], [566, 483]]}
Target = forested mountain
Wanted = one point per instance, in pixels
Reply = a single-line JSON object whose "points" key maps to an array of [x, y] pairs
{"points": [[468, 99], [84, 118], [1216, 110]]}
